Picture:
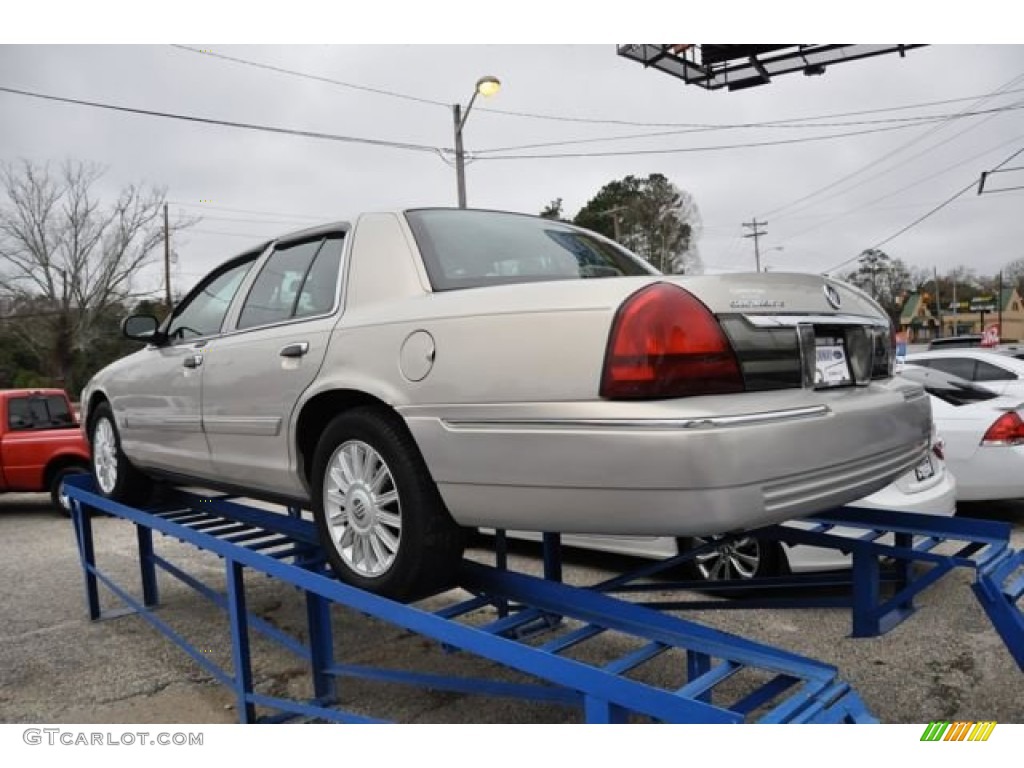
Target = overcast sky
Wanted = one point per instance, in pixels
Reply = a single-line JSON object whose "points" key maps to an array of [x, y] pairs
{"points": [[294, 181]]}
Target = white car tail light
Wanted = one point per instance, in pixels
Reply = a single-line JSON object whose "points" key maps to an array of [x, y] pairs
{"points": [[1008, 429]]}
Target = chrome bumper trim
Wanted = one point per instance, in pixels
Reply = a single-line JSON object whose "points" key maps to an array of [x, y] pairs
{"points": [[709, 422]]}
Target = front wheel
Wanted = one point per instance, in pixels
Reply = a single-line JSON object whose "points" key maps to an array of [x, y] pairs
{"points": [[381, 519], [115, 476]]}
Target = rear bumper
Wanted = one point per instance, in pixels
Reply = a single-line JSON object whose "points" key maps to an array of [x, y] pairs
{"points": [[673, 468]]}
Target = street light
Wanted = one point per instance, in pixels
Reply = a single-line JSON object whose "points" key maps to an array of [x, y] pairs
{"points": [[486, 86]]}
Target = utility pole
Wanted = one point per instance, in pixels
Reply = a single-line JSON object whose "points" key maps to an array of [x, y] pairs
{"points": [[167, 260], [999, 305], [938, 300], [757, 234], [956, 309]]}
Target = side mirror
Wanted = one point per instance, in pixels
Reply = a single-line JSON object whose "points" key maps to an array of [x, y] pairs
{"points": [[142, 328]]}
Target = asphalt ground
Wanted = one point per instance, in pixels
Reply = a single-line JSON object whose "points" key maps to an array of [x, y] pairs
{"points": [[945, 662]]}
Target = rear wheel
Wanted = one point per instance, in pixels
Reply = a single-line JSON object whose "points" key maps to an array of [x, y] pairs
{"points": [[381, 519], [61, 501], [746, 558], [116, 477]]}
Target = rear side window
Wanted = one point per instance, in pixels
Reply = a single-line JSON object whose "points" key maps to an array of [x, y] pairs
{"points": [[469, 249], [949, 389], [963, 367], [38, 412], [299, 280], [988, 372]]}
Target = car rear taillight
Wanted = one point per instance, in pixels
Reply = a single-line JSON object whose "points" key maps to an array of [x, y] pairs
{"points": [[665, 343], [939, 449], [1008, 429]]}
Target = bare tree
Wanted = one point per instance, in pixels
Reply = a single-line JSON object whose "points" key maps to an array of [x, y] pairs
{"points": [[67, 259]]}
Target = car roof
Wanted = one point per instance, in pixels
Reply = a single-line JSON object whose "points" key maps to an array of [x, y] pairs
{"points": [[38, 392], [976, 353]]}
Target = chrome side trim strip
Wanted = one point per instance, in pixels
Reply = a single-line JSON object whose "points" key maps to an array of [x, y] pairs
{"points": [[791, 321], [708, 422], [165, 423], [261, 426]]}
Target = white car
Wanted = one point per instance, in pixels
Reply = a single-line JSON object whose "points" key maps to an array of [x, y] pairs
{"points": [[1000, 371], [930, 488], [984, 434]]}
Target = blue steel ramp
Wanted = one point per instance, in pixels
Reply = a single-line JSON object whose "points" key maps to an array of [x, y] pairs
{"points": [[1000, 589], [610, 659]]}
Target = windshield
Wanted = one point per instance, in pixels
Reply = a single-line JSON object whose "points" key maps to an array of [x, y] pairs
{"points": [[469, 249], [947, 388]]}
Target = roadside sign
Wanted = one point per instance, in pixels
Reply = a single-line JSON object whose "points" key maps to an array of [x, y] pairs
{"points": [[991, 336]]}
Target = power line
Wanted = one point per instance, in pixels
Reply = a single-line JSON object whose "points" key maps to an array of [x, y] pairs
{"points": [[248, 235], [706, 148], [899, 191], [248, 210], [261, 222], [920, 219], [917, 120], [309, 76], [842, 180], [565, 118], [228, 123]]}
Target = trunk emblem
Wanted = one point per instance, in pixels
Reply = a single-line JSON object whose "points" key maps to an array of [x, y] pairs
{"points": [[833, 296]]}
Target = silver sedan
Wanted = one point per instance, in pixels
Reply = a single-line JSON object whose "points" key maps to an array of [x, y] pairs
{"points": [[424, 371]]}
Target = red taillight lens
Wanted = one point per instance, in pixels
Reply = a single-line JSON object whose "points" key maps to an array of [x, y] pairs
{"points": [[666, 343], [939, 449], [1008, 429]]}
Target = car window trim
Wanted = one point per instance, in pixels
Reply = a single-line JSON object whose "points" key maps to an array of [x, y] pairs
{"points": [[231, 329], [275, 249], [253, 256]]}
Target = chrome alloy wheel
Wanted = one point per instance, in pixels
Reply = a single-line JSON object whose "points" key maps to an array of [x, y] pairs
{"points": [[738, 559], [104, 455], [64, 500], [363, 511]]}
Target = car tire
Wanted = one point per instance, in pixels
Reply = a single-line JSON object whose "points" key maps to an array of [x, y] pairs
{"points": [[115, 476], [60, 501], [743, 559], [381, 519]]}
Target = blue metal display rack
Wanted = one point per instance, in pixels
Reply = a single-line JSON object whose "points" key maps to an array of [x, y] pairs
{"points": [[552, 633], [894, 557], [539, 627]]}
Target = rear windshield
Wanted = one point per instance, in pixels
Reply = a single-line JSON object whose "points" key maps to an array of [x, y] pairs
{"points": [[469, 249], [955, 341], [949, 389], [38, 412]]}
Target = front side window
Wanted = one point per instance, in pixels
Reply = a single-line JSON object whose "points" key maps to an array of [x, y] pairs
{"points": [[469, 249], [203, 314], [298, 280], [38, 412]]}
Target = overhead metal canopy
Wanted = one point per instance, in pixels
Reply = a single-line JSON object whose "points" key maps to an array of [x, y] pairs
{"points": [[714, 66]]}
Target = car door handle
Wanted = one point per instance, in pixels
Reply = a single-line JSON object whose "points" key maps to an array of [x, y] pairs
{"points": [[298, 349], [193, 361]]}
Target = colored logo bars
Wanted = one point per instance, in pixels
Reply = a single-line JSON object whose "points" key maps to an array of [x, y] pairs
{"points": [[944, 731]]}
